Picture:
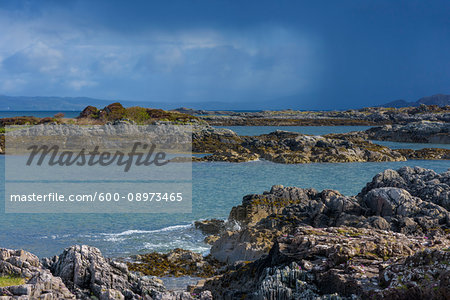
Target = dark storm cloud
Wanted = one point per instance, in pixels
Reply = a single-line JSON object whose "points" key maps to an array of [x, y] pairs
{"points": [[310, 54]]}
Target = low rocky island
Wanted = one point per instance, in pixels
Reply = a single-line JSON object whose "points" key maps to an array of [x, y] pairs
{"points": [[371, 116], [293, 148], [425, 124], [416, 132], [390, 241]]}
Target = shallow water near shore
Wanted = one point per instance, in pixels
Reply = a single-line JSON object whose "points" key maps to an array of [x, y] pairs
{"points": [[216, 188]]}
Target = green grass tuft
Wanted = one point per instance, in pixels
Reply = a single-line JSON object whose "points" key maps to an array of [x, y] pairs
{"points": [[11, 280]]}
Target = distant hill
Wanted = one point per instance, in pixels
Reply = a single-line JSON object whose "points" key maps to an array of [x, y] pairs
{"points": [[439, 99], [23, 103]]}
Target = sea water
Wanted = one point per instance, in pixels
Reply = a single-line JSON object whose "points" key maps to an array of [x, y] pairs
{"points": [[217, 187]]}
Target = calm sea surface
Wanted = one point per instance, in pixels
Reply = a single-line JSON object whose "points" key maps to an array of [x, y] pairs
{"points": [[39, 114]]}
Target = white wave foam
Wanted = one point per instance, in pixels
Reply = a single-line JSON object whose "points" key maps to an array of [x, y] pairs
{"points": [[165, 229], [167, 246]]}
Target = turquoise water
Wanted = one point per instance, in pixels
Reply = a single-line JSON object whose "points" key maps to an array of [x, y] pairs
{"points": [[216, 188], [313, 130], [39, 114]]}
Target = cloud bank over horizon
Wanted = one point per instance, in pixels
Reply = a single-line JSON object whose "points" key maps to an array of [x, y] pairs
{"points": [[302, 54]]}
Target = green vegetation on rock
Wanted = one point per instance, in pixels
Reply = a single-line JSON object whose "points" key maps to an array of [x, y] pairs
{"points": [[11, 280]]}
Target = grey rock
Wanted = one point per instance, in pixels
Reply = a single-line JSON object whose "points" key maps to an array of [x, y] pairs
{"points": [[416, 132], [419, 182], [39, 282]]}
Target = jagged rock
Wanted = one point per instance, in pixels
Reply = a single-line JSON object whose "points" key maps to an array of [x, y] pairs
{"points": [[85, 271], [39, 283], [425, 184], [278, 212], [207, 139], [246, 245], [327, 263], [232, 156], [425, 274]]}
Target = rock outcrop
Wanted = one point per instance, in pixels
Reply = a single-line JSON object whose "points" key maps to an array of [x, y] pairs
{"points": [[341, 263], [38, 282], [416, 204], [419, 182], [139, 115], [425, 153], [391, 241], [287, 148], [417, 132], [364, 116], [177, 262], [87, 273]]}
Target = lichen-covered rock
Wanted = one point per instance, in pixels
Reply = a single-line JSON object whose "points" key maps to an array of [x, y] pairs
{"points": [[287, 147], [390, 202], [426, 153], [178, 262]]}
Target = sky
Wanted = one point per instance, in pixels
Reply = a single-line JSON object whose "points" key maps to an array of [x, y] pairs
{"points": [[297, 54]]}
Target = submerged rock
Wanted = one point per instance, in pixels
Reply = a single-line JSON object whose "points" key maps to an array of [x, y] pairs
{"points": [[177, 262]]}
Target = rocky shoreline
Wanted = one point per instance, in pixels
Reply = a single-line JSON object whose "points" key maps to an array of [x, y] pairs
{"points": [[390, 241], [417, 132], [293, 148], [370, 116], [424, 124]]}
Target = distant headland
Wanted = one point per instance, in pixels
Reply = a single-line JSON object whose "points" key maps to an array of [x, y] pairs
{"points": [[55, 103]]}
